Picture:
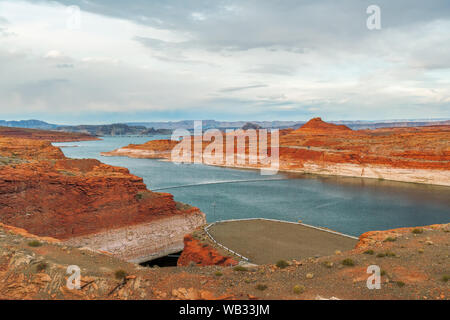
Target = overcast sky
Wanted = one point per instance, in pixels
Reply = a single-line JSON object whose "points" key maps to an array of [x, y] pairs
{"points": [[226, 60]]}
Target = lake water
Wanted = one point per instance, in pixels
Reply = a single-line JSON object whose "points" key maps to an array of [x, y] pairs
{"points": [[347, 205]]}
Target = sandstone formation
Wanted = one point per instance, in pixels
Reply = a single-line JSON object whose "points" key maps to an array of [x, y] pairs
{"points": [[419, 154], [87, 203], [35, 134], [202, 254]]}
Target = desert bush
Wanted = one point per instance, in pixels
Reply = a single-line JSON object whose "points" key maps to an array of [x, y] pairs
{"points": [[120, 274], [348, 262], [34, 243], [298, 289], [261, 287], [240, 268], [282, 264]]}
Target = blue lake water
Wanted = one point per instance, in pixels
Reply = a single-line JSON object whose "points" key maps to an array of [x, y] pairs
{"points": [[348, 205]]}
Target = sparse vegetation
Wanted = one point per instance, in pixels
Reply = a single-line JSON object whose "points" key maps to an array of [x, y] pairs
{"points": [[41, 266], [34, 243], [390, 239], [348, 262], [218, 274], [182, 206], [240, 268], [382, 272], [417, 231], [390, 254], [298, 289], [282, 264], [120, 274], [400, 284], [445, 278], [261, 287], [370, 251], [381, 255]]}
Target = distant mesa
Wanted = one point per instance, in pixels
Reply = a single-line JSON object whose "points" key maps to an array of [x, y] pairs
{"points": [[318, 124], [250, 125]]}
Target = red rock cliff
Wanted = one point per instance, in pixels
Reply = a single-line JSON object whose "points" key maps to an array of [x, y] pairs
{"points": [[202, 254], [48, 194]]}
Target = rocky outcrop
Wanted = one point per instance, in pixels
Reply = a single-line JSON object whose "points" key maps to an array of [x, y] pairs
{"points": [[154, 149], [376, 238], [88, 203], [35, 134], [202, 254], [317, 124]]}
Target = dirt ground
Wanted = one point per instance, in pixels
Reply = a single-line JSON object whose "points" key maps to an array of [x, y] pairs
{"points": [[265, 242], [413, 266]]}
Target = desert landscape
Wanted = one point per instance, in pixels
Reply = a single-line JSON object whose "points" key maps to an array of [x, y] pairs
{"points": [[106, 219], [222, 159]]}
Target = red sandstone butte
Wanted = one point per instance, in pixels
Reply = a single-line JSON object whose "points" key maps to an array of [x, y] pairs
{"points": [[415, 154], [202, 254], [88, 203]]}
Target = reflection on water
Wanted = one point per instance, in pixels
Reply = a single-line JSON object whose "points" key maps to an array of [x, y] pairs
{"points": [[348, 205]]}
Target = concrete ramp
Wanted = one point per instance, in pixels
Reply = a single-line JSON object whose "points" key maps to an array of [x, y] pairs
{"points": [[268, 241]]}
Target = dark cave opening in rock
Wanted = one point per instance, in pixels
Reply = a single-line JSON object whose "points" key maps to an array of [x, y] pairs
{"points": [[166, 261]]}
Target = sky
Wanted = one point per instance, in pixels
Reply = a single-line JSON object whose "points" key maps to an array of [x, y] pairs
{"points": [[103, 61]]}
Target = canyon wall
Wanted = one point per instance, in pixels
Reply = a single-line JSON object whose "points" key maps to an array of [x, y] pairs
{"points": [[145, 241], [50, 195]]}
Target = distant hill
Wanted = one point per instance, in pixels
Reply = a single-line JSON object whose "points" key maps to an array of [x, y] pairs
{"points": [[117, 129], [354, 125], [166, 128], [30, 124]]}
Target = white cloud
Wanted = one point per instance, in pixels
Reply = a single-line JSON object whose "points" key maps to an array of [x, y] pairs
{"points": [[258, 58]]}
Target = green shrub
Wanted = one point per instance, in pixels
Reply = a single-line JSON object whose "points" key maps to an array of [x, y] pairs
{"points": [[218, 274], [34, 243], [348, 262], [120, 274], [390, 254], [445, 278], [298, 289], [382, 272], [261, 287], [282, 264], [417, 231], [41, 266], [390, 239], [381, 255], [370, 251], [400, 284], [240, 268]]}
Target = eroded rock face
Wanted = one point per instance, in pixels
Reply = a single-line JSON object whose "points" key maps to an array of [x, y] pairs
{"points": [[54, 136], [202, 254], [50, 195]]}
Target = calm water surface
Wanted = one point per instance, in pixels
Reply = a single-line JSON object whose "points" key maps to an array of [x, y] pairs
{"points": [[348, 205]]}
